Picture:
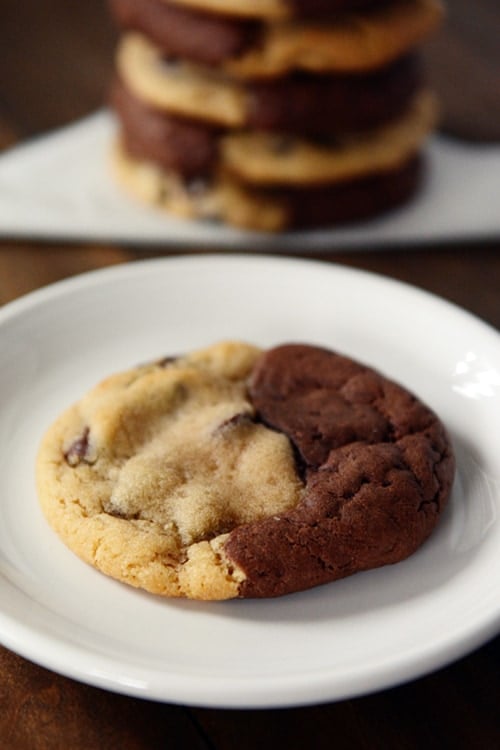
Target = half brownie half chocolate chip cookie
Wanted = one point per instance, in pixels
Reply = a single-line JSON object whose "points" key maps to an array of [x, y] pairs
{"points": [[232, 472]]}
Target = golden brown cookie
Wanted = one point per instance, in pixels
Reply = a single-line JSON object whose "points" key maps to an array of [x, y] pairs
{"points": [[145, 476], [358, 42], [219, 199], [179, 87], [224, 199]]}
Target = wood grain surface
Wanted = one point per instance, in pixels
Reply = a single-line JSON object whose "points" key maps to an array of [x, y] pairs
{"points": [[56, 58]]}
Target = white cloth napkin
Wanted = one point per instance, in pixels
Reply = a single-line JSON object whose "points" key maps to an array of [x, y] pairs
{"points": [[59, 186]]}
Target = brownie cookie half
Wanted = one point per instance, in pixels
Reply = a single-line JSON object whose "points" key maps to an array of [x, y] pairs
{"points": [[378, 469], [186, 146], [232, 472]]}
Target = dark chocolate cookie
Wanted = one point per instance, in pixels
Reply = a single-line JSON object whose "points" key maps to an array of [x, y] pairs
{"points": [[184, 146], [378, 468]]}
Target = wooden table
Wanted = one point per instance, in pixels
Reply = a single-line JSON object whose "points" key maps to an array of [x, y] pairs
{"points": [[56, 58]]}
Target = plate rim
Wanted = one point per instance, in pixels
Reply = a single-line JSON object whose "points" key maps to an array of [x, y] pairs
{"points": [[126, 267]]}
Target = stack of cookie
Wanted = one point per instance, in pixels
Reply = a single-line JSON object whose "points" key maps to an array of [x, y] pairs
{"points": [[271, 114]]}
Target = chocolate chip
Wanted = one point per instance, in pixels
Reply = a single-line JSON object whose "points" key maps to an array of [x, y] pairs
{"points": [[163, 193], [79, 451], [113, 510], [166, 361], [283, 145], [197, 187], [237, 420]]}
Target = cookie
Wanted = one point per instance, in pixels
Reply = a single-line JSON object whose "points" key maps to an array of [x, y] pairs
{"points": [[201, 38], [268, 159], [325, 105], [145, 476], [218, 198], [179, 87], [300, 103], [222, 198], [359, 42], [354, 42], [188, 147], [378, 468], [232, 472]]}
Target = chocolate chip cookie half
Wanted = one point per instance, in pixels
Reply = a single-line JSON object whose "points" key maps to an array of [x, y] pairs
{"points": [[235, 472]]}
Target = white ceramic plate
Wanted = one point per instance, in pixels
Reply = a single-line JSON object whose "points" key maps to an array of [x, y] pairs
{"points": [[458, 201], [364, 633]]}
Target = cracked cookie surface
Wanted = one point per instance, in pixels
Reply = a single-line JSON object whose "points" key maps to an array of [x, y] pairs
{"points": [[234, 472], [147, 474], [378, 469]]}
